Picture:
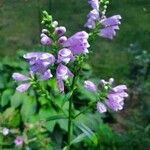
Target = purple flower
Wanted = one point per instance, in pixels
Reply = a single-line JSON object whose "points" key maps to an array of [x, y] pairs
{"points": [[65, 55], [115, 98], [5, 131], [89, 85], [62, 40], [101, 107], [91, 24], [62, 73], [112, 98], [45, 40], [94, 14], [92, 17], [18, 141], [23, 86], [110, 25], [78, 43], [20, 77], [94, 4], [39, 63], [60, 30]]}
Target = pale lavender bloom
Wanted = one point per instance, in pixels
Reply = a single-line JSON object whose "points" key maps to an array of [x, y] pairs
{"points": [[89, 85], [92, 17], [5, 131], [111, 21], [23, 87], [110, 25], [91, 24], [39, 62], [62, 73], [45, 40], [101, 107], [46, 75], [18, 141], [62, 40], [20, 77], [65, 55], [78, 43], [94, 4], [60, 30], [115, 98], [94, 14]]}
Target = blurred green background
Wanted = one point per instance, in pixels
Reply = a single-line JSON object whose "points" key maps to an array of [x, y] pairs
{"points": [[126, 58]]}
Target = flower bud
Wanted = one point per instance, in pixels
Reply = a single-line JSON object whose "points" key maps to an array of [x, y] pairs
{"points": [[45, 40], [54, 24], [62, 40], [89, 85], [60, 30], [44, 31]]}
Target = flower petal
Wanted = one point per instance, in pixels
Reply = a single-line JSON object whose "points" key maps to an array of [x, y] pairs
{"points": [[23, 87]]}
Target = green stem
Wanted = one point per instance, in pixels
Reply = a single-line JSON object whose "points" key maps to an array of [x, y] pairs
{"points": [[70, 116], [84, 110]]}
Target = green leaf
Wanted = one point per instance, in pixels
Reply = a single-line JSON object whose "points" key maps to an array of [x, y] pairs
{"points": [[28, 108], [63, 123], [45, 114], [11, 117], [56, 117], [79, 138], [17, 99], [88, 132], [6, 97]]}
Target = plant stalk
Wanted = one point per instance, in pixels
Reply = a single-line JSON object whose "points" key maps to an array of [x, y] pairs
{"points": [[70, 116]]}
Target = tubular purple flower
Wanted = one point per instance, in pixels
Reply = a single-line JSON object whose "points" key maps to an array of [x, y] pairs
{"points": [[89, 85], [39, 61], [19, 77], [111, 21], [65, 55], [92, 17], [101, 107], [62, 40], [110, 25], [47, 74], [115, 98], [62, 73], [45, 40], [23, 87], [90, 24], [18, 141], [60, 30], [94, 14], [94, 4], [78, 43]]}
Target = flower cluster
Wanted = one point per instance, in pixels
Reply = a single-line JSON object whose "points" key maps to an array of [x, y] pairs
{"points": [[109, 97], [41, 62], [106, 26]]}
